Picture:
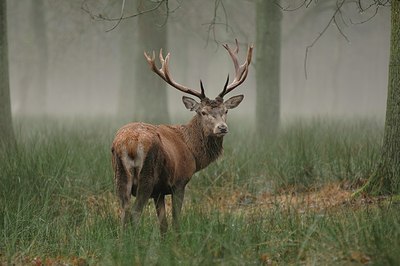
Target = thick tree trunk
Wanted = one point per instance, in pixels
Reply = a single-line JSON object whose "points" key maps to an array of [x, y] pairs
{"points": [[386, 179], [149, 101], [6, 130], [268, 50]]}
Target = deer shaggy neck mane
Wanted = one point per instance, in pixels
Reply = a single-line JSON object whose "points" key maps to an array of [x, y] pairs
{"points": [[205, 149]]}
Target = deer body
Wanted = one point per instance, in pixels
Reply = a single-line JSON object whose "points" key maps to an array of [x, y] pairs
{"points": [[152, 161]]}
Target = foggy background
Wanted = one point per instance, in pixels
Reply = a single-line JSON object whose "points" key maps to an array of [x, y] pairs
{"points": [[82, 62]]}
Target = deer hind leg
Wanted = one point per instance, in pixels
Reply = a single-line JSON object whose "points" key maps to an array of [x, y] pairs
{"points": [[147, 177], [131, 169], [123, 186], [159, 202]]}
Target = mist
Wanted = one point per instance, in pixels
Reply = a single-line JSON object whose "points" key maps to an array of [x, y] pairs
{"points": [[83, 69], [308, 174]]}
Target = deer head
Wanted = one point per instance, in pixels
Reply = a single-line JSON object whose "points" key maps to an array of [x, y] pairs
{"points": [[212, 113]]}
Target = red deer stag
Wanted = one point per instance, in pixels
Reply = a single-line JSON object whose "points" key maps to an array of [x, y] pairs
{"points": [[152, 161]]}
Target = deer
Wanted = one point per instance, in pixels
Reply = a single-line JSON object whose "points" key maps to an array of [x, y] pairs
{"points": [[153, 161]]}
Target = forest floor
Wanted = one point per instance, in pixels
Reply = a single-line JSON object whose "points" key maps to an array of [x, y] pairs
{"points": [[325, 200], [282, 201]]}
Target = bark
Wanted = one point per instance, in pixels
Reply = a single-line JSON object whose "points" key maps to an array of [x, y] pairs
{"points": [[268, 49], [6, 130], [144, 94], [386, 178]]}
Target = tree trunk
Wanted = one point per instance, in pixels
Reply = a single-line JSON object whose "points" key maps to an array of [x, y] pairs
{"points": [[128, 40], [268, 50], [149, 102], [386, 178], [33, 80], [41, 58], [6, 130]]}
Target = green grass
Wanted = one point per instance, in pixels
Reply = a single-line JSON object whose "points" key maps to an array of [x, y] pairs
{"points": [[57, 203], [305, 154]]}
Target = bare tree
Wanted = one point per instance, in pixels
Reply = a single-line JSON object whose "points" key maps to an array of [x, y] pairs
{"points": [[386, 178], [150, 92], [6, 129], [41, 58], [147, 31], [128, 39], [268, 44]]}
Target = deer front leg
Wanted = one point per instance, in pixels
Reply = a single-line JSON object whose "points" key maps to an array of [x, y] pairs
{"points": [[177, 201], [159, 202]]}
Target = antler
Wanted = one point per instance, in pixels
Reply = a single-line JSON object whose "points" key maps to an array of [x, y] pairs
{"points": [[240, 71], [163, 72]]}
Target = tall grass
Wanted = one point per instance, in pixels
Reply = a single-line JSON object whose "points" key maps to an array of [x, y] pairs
{"points": [[57, 203], [305, 154]]}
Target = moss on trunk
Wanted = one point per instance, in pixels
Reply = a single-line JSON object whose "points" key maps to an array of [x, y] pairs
{"points": [[386, 178]]}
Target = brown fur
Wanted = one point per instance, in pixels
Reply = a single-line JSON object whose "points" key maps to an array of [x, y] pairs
{"points": [[171, 155]]}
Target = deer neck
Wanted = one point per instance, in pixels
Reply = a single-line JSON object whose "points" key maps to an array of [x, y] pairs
{"points": [[205, 149]]}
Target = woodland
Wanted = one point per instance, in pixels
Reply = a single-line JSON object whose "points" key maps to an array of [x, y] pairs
{"points": [[310, 172]]}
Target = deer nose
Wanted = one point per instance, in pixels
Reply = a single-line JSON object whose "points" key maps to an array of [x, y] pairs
{"points": [[223, 128]]}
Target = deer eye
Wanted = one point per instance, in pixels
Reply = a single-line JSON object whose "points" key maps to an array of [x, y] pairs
{"points": [[226, 111], [203, 113]]}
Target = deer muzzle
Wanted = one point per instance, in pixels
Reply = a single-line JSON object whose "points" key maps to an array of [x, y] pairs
{"points": [[221, 129]]}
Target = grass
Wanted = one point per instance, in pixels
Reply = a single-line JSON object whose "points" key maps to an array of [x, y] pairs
{"points": [[57, 204]]}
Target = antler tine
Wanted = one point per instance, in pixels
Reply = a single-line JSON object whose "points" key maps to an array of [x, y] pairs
{"points": [[223, 92], [202, 89], [233, 56], [240, 71], [164, 73], [150, 60], [237, 46], [160, 56]]}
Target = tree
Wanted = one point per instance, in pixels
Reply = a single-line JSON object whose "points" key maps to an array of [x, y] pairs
{"points": [[268, 43], [6, 130], [41, 59], [128, 37], [386, 178], [150, 102], [141, 95], [33, 81]]}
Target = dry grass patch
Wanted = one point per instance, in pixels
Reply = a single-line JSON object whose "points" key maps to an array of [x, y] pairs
{"points": [[330, 197]]}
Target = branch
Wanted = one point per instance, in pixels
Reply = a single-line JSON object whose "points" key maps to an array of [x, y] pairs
{"points": [[377, 4], [332, 19], [213, 23], [120, 18], [305, 3], [101, 17]]}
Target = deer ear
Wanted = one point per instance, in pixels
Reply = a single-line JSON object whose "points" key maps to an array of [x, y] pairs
{"points": [[233, 102], [190, 103]]}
